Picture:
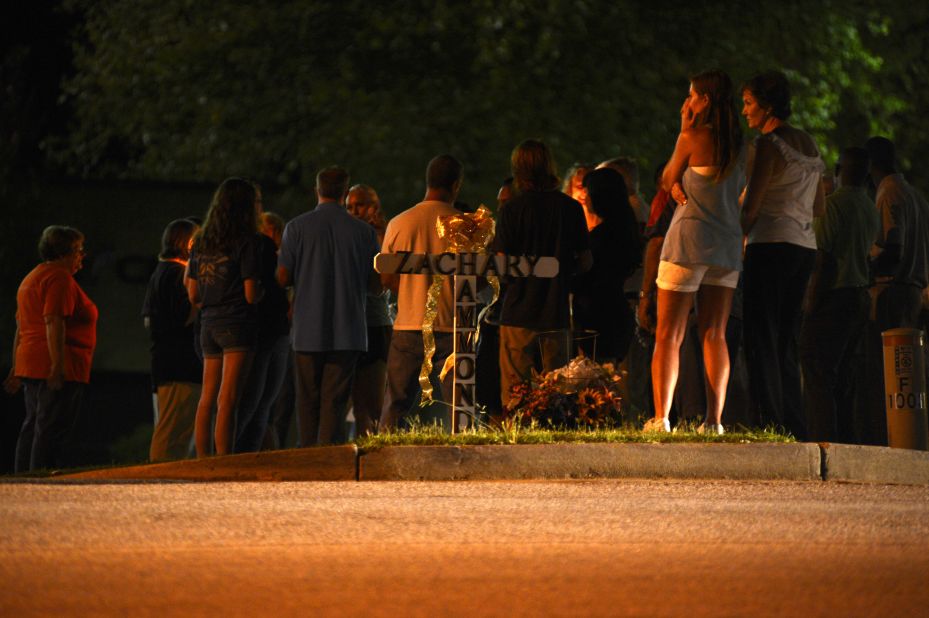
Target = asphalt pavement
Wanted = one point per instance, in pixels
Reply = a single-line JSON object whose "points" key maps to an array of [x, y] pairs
{"points": [[476, 548]]}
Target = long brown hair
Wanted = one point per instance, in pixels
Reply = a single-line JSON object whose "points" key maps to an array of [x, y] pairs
{"points": [[231, 220], [722, 118], [533, 167]]}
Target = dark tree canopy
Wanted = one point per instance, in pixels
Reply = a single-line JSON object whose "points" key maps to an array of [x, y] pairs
{"points": [[180, 90], [177, 90]]}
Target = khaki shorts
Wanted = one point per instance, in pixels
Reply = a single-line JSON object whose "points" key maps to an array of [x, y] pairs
{"points": [[689, 277]]}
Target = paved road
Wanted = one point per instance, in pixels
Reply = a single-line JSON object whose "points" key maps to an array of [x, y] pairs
{"points": [[489, 548]]}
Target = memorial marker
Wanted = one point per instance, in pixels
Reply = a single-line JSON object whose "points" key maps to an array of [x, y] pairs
{"points": [[466, 268]]}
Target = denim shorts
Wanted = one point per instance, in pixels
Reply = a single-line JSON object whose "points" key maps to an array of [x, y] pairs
{"points": [[216, 339]]}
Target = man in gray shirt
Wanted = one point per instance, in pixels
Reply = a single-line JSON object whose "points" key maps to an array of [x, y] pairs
{"points": [[838, 303], [901, 269], [902, 248]]}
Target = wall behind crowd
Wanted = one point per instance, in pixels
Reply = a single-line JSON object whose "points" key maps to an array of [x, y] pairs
{"points": [[123, 223]]}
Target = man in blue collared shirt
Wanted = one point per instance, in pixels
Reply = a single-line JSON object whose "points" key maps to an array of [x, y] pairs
{"points": [[328, 257]]}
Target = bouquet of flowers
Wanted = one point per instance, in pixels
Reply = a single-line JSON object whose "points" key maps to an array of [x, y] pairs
{"points": [[580, 394]]}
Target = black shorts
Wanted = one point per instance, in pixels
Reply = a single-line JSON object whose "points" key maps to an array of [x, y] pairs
{"points": [[216, 339], [378, 345]]}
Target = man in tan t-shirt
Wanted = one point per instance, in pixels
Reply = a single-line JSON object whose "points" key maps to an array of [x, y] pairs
{"points": [[414, 230]]}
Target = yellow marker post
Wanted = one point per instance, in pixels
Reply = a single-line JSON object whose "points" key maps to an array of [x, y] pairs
{"points": [[905, 388]]}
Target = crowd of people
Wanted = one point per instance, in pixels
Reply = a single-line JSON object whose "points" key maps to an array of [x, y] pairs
{"points": [[744, 247]]}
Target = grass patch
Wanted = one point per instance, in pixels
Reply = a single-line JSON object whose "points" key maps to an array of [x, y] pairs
{"points": [[435, 435]]}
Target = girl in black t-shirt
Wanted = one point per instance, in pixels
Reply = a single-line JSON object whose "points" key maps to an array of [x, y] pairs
{"points": [[223, 280]]}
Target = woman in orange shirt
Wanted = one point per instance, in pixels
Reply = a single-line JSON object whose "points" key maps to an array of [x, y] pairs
{"points": [[56, 333]]}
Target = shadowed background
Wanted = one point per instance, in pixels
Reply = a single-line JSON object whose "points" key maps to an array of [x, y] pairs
{"points": [[117, 117]]}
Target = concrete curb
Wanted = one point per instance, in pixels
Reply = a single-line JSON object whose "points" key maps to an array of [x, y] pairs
{"points": [[796, 462], [875, 464], [559, 461], [326, 463]]}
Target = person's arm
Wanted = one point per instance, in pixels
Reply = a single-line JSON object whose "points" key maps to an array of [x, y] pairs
{"points": [[674, 170], [193, 294], [760, 174], [253, 291], [191, 315], [585, 261], [251, 262], [55, 334], [391, 281], [819, 201], [375, 287], [887, 251], [374, 283], [645, 312], [12, 383], [283, 277], [181, 312]]}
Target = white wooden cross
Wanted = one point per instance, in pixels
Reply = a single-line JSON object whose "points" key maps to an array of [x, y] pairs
{"points": [[466, 268]]}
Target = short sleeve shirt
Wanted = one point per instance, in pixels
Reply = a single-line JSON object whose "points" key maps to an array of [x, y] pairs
{"points": [[846, 231], [414, 230], [174, 358], [50, 290], [221, 283], [904, 216], [541, 223], [330, 257]]}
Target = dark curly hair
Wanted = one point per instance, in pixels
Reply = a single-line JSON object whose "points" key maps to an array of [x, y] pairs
{"points": [[231, 220], [772, 91]]}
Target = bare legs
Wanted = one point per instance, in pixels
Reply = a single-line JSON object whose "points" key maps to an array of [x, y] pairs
{"points": [[212, 376], [221, 378], [673, 309], [713, 304]]}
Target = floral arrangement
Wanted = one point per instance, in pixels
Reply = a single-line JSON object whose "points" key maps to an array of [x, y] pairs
{"points": [[580, 394]]}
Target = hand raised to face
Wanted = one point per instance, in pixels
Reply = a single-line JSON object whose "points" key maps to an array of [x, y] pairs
{"points": [[693, 109]]}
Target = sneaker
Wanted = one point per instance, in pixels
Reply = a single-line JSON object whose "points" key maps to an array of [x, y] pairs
{"points": [[710, 429], [657, 424]]}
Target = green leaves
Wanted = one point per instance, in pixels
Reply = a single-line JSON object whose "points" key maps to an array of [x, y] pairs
{"points": [[180, 90]]}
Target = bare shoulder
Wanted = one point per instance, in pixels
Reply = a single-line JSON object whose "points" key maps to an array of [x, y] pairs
{"points": [[697, 134], [699, 143]]}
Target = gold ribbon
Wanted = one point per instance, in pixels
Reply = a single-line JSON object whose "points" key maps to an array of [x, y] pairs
{"points": [[463, 233], [432, 308]]}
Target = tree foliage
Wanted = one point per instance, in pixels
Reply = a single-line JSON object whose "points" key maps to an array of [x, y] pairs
{"points": [[185, 90]]}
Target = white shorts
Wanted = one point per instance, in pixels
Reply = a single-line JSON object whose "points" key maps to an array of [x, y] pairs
{"points": [[689, 277]]}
